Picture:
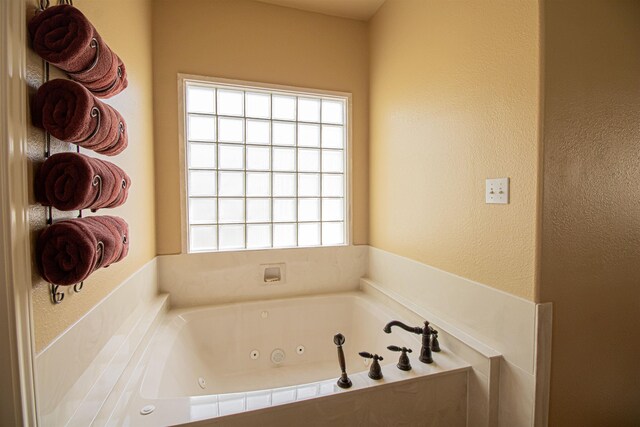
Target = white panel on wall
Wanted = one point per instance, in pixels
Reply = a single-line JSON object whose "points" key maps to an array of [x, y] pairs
{"points": [[208, 278]]}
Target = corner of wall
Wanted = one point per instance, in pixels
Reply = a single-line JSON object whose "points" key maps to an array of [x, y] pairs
{"points": [[537, 297]]}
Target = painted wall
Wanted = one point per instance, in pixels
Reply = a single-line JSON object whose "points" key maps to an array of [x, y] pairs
{"points": [[591, 210], [252, 41], [126, 26], [454, 89]]}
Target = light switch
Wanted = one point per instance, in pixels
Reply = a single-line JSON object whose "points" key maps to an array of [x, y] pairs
{"points": [[497, 191]]}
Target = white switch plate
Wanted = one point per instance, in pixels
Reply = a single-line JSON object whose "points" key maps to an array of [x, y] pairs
{"points": [[497, 191]]}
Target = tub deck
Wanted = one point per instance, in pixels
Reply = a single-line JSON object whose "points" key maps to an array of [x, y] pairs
{"points": [[215, 344]]}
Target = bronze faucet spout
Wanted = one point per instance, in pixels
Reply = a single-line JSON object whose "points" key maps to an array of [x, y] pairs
{"points": [[387, 327], [425, 351]]}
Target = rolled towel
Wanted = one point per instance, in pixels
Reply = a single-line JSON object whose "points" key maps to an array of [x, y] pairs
{"points": [[98, 87], [68, 251], [64, 37], [70, 181], [71, 113]]}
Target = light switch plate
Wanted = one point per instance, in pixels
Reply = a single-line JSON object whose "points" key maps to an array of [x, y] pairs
{"points": [[497, 191]]}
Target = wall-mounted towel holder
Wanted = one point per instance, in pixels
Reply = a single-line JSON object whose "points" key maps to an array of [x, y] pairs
{"points": [[93, 44], [46, 3], [111, 85], [56, 296], [101, 85], [94, 113]]}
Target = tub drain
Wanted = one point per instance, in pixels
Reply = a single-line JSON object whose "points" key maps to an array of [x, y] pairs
{"points": [[277, 356], [146, 410]]}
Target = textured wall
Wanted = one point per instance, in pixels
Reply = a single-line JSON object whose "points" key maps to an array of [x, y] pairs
{"points": [[126, 26], [252, 41], [454, 100], [591, 210]]}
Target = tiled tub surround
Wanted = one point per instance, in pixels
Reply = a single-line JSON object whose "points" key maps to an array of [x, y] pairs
{"points": [[76, 373], [483, 318], [504, 339], [222, 277], [484, 374], [215, 344]]}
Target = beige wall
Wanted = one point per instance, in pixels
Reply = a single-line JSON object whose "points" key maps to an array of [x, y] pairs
{"points": [[591, 210], [245, 40], [454, 100], [126, 26]]}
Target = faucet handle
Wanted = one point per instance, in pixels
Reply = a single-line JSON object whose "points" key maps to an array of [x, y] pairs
{"points": [[435, 345], [403, 362], [375, 372], [368, 355], [396, 348]]}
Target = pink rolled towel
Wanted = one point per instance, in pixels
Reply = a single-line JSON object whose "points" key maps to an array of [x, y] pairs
{"points": [[71, 113], [70, 181], [64, 37], [68, 251]]}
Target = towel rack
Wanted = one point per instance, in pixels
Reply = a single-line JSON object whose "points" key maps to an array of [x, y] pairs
{"points": [[112, 84], [57, 296], [43, 4], [93, 45], [95, 112]]}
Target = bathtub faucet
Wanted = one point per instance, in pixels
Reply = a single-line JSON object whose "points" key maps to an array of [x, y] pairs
{"points": [[429, 338], [343, 381]]}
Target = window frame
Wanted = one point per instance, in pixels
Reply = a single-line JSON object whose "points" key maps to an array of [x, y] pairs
{"points": [[185, 79]]}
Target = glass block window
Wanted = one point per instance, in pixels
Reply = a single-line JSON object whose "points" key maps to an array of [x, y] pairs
{"points": [[265, 168]]}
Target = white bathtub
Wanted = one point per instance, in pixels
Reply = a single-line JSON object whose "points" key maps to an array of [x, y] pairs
{"points": [[211, 363]]}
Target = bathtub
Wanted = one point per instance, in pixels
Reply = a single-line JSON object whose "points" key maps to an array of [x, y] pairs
{"points": [[274, 363]]}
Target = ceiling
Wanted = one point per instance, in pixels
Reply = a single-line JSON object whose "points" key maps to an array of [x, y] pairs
{"points": [[362, 10]]}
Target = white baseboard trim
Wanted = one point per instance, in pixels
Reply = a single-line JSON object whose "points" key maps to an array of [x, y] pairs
{"points": [[544, 323]]}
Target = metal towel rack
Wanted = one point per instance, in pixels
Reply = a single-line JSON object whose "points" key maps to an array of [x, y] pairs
{"points": [[57, 296], [93, 44], [46, 3]]}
